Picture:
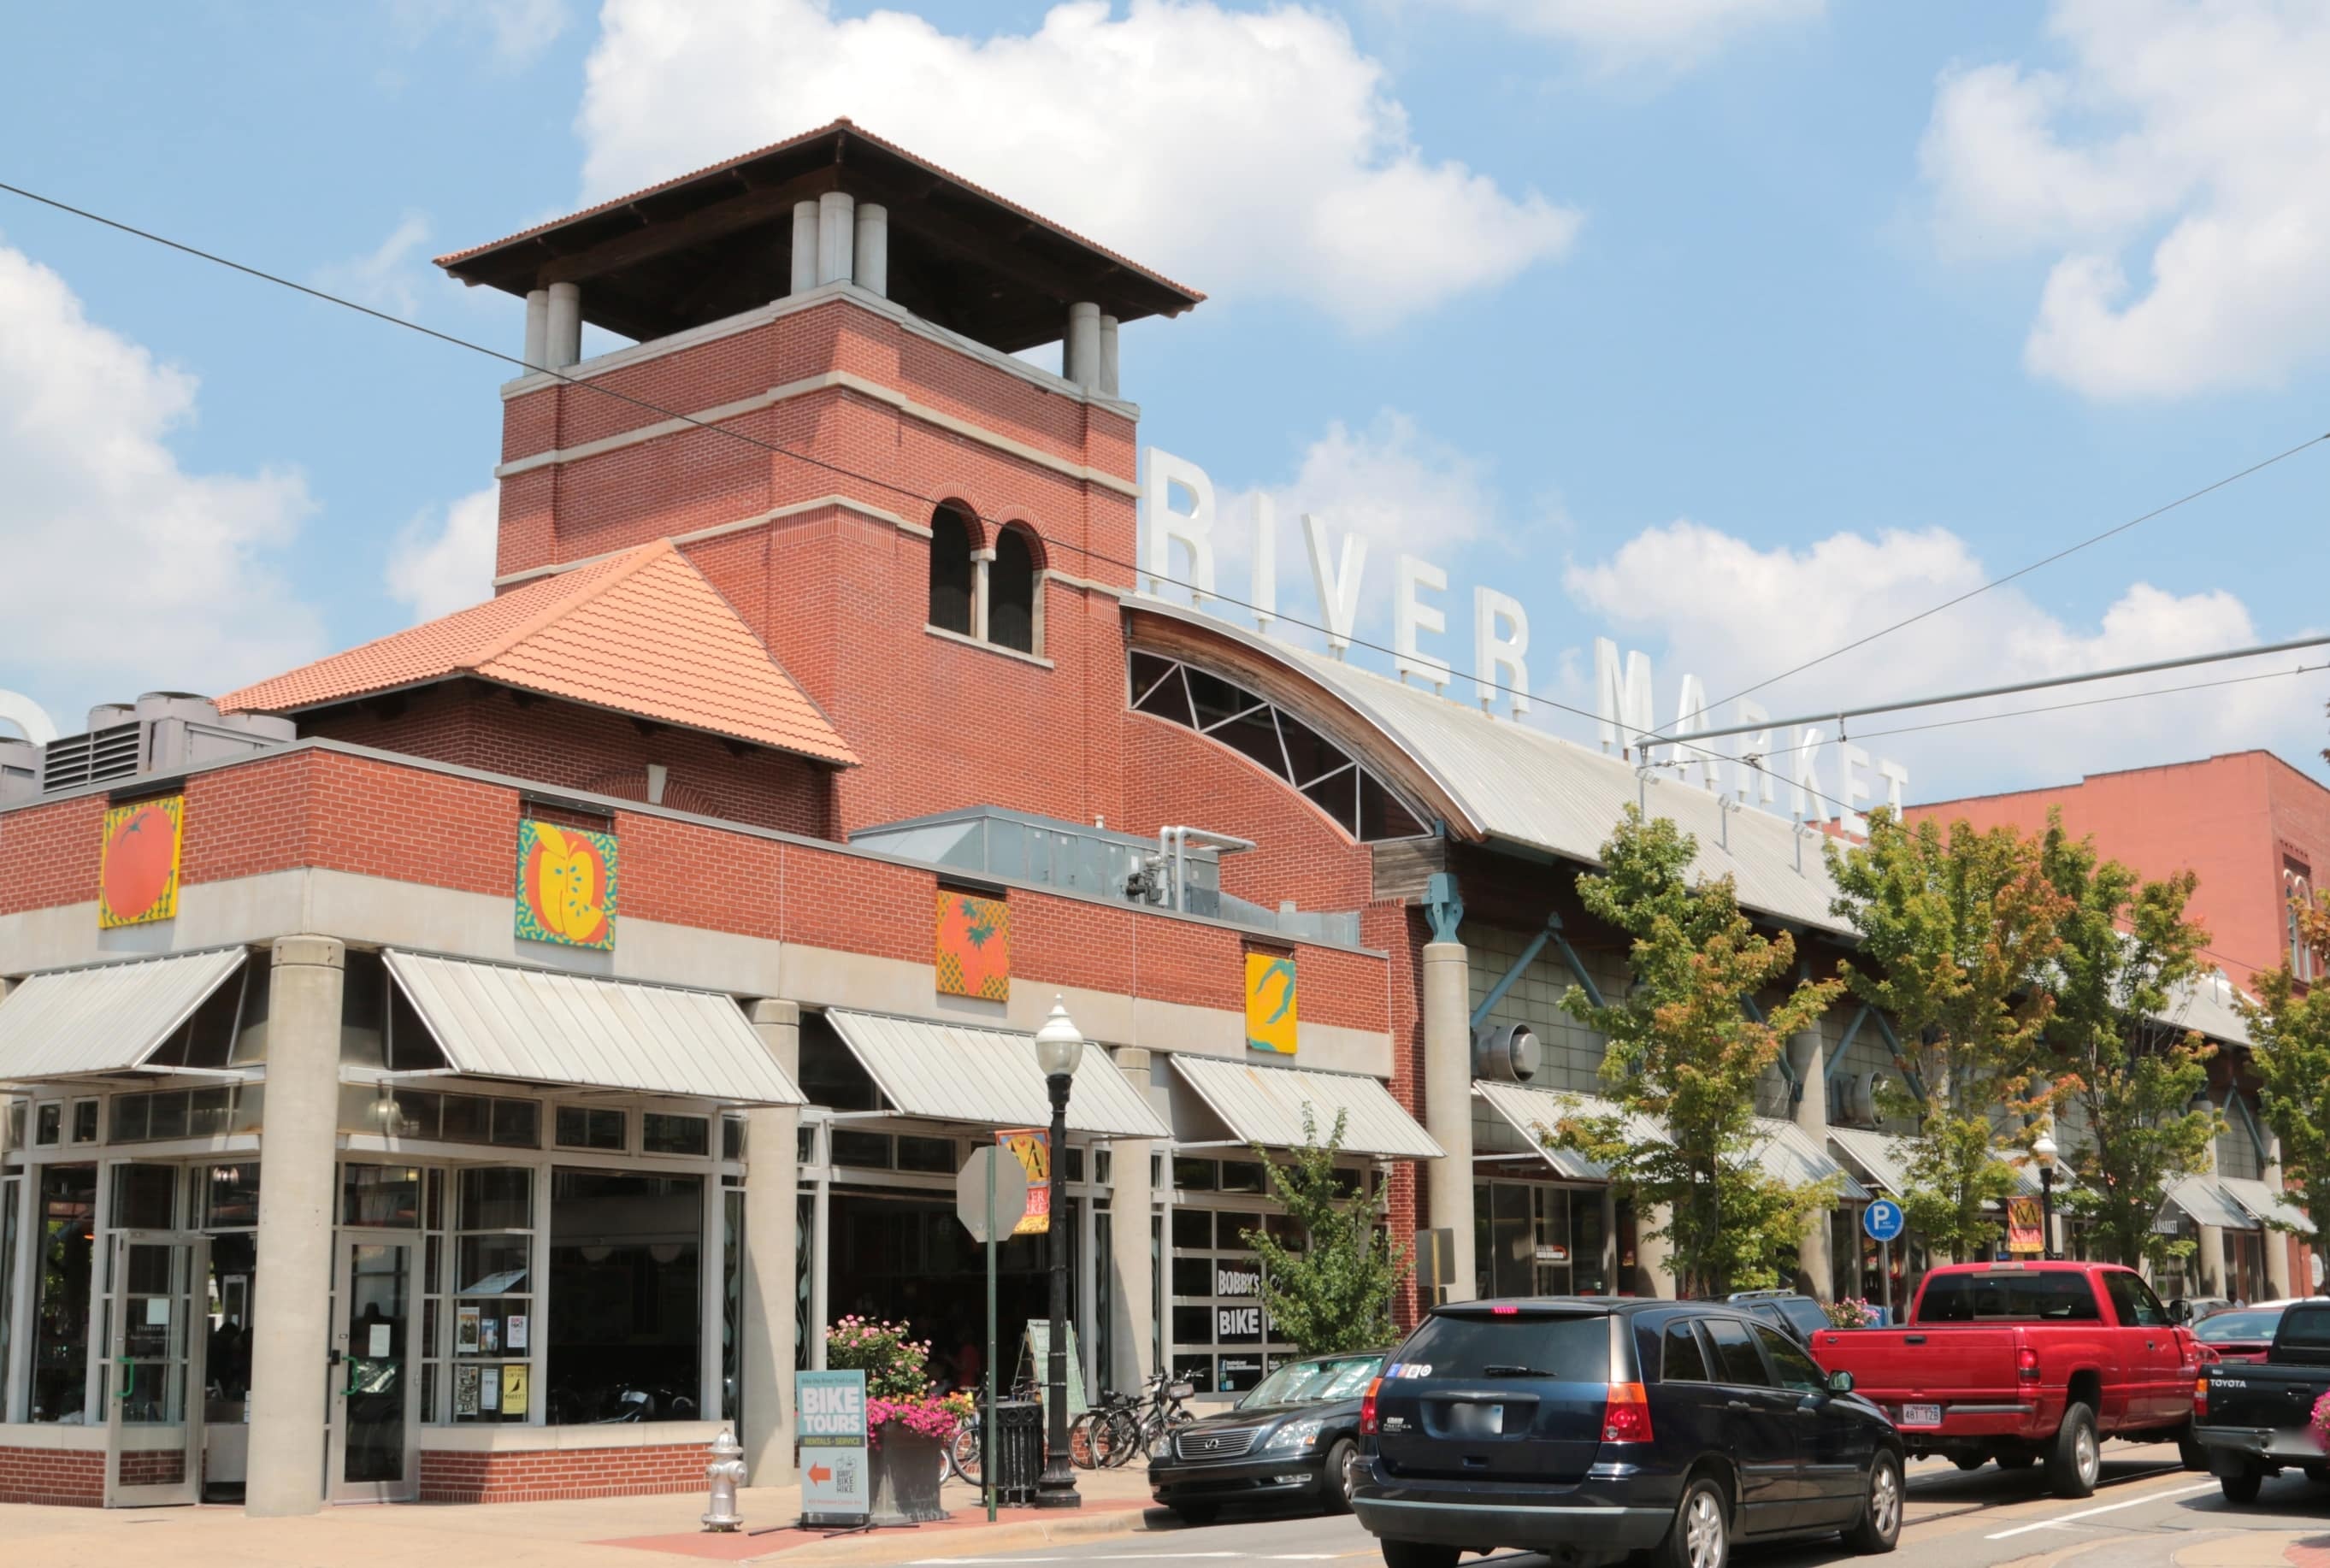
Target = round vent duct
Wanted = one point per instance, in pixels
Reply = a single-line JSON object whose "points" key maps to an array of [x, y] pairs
{"points": [[1507, 1053]]}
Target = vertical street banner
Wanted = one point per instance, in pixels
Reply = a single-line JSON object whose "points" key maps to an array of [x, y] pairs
{"points": [[1032, 1147], [2023, 1229], [829, 1422]]}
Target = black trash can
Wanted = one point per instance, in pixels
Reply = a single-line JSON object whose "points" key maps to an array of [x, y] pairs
{"points": [[1018, 1458]]}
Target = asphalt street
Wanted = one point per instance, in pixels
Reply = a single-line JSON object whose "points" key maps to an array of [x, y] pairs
{"points": [[2143, 1514]]}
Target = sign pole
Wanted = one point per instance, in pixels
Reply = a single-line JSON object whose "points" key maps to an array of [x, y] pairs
{"points": [[1885, 1272], [987, 1428]]}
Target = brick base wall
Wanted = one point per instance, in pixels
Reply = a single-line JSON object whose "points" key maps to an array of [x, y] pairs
{"points": [[559, 1475], [72, 1477]]}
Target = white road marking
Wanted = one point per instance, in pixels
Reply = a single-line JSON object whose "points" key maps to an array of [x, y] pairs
{"points": [[2106, 1508]]}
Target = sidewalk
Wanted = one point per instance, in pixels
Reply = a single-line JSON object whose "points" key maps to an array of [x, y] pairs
{"points": [[600, 1532]]}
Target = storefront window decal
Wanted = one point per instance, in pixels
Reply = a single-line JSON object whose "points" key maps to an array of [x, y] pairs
{"points": [[138, 873], [567, 885], [973, 946]]}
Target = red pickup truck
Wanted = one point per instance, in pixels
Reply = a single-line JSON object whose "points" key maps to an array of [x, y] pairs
{"points": [[2027, 1363]]}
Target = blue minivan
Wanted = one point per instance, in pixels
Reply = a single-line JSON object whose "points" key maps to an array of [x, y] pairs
{"points": [[1587, 1429]]}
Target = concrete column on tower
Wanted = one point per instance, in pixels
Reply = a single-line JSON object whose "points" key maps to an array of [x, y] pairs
{"points": [[772, 1262], [2277, 1243], [1132, 1328], [537, 329], [562, 328], [297, 1148], [836, 235], [805, 247], [2209, 1261], [872, 259], [1108, 381], [1808, 1055], [1654, 1255], [1448, 1107], [1084, 344]]}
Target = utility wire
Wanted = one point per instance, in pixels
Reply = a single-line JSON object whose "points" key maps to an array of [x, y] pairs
{"points": [[649, 406]]}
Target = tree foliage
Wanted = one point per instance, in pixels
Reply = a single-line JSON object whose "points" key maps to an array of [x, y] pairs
{"points": [[1957, 929], [2124, 948], [1336, 1294], [2289, 1031], [1684, 1056]]}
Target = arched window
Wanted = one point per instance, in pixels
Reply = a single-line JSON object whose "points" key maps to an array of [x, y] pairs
{"points": [[950, 535], [1011, 591]]}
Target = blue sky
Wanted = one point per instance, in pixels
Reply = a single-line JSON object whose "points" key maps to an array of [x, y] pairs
{"points": [[1729, 328]]}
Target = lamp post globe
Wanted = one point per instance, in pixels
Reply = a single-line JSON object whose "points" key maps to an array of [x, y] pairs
{"points": [[1059, 1047], [2043, 1150]]}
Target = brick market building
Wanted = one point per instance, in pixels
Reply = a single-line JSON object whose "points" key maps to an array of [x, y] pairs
{"points": [[520, 1036]]}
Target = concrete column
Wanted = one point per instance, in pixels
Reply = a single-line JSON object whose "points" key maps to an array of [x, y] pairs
{"points": [[1816, 1253], [1084, 344], [1108, 357], [537, 327], [2277, 1243], [1134, 1317], [873, 260], [805, 247], [771, 1264], [2209, 1259], [562, 340], [1448, 1105], [982, 563], [296, 1146], [836, 235], [1653, 1258]]}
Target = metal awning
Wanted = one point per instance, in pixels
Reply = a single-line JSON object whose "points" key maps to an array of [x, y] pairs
{"points": [[2207, 1201], [537, 1026], [2266, 1204], [988, 1077], [106, 1018], [1784, 1150], [1265, 1105]]}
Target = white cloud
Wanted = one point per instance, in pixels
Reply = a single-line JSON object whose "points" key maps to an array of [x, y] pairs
{"points": [[2195, 131], [1625, 33], [515, 30], [1250, 154], [1705, 602], [441, 563], [392, 275], [124, 571]]}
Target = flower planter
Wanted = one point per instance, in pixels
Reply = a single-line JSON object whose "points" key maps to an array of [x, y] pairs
{"points": [[907, 1470]]}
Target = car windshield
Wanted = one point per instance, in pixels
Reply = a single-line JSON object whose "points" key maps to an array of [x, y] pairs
{"points": [[1315, 1381], [2227, 1326]]}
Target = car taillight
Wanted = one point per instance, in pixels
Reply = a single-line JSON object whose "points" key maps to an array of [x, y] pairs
{"points": [[2026, 1364], [1626, 1414], [2200, 1399], [1369, 1423]]}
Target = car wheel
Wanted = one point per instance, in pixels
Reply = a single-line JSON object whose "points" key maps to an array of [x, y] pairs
{"points": [[2076, 1459], [1338, 1476], [2241, 1489], [1196, 1513], [1700, 1536], [1878, 1528], [1418, 1554]]}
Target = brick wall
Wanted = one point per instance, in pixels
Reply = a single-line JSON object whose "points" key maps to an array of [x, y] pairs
{"points": [[71, 1478], [559, 1475]]}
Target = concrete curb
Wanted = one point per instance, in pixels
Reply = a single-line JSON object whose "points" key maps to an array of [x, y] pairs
{"points": [[974, 1541]]}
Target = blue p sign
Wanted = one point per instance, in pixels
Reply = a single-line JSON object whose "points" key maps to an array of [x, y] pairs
{"points": [[1883, 1220]]}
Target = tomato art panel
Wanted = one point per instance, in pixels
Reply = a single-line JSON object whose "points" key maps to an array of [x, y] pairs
{"points": [[975, 946], [565, 885], [138, 874]]}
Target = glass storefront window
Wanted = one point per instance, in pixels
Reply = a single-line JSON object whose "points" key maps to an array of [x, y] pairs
{"points": [[592, 1127], [625, 1303], [11, 1189], [1221, 1331], [381, 1196], [49, 1123], [732, 1303], [228, 1199], [145, 1197], [662, 1133], [1537, 1239], [934, 1155], [494, 1320], [61, 1317]]}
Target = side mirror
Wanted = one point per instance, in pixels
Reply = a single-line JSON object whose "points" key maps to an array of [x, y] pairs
{"points": [[1839, 1383]]}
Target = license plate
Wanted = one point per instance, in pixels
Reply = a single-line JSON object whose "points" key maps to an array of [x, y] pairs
{"points": [[1921, 1415], [1476, 1421]]}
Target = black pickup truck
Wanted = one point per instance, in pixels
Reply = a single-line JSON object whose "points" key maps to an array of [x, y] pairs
{"points": [[2255, 1418]]}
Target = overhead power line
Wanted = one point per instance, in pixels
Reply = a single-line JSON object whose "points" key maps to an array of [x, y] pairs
{"points": [[649, 406]]}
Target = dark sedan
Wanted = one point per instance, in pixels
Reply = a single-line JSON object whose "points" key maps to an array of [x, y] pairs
{"points": [[1295, 1434], [1587, 1429], [2244, 1333]]}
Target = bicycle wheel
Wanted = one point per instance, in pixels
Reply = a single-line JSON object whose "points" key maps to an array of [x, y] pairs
{"points": [[962, 1451], [1117, 1439], [1082, 1451]]}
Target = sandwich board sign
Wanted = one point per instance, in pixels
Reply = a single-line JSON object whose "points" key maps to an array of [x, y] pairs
{"points": [[829, 1419]]}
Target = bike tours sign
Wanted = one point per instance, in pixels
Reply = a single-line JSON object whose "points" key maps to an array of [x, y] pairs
{"points": [[830, 1424]]}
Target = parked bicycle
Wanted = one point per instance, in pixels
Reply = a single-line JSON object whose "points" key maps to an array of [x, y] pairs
{"points": [[1136, 1428], [963, 1449]]}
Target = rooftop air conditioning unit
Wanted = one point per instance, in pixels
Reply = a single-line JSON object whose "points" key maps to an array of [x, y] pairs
{"points": [[161, 732], [1506, 1053]]}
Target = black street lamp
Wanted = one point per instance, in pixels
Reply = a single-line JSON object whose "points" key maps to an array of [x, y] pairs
{"points": [[1059, 1048], [2043, 1151]]}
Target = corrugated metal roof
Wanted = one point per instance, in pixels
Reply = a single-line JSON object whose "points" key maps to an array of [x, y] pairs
{"points": [[2266, 1204], [535, 1026], [2210, 1005], [108, 1018], [2206, 1199], [962, 1072], [1265, 1105], [1784, 1150], [1880, 1157]]}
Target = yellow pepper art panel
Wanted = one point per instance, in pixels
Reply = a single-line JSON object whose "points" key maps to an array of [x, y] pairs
{"points": [[567, 885]]}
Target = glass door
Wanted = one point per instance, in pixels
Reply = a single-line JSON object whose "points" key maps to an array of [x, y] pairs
{"points": [[153, 1375], [375, 1410]]}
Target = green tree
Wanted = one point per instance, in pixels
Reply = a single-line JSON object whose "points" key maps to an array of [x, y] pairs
{"points": [[1684, 1052], [2290, 1036], [1956, 928], [1336, 1293], [2126, 948]]}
